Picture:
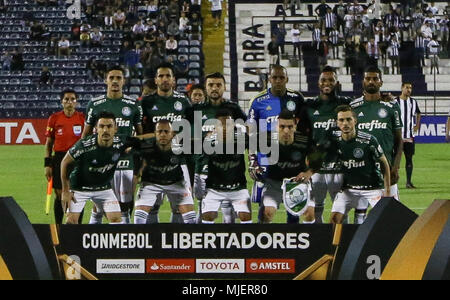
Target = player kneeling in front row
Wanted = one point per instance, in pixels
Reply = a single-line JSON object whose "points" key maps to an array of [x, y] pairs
{"points": [[362, 159], [163, 173], [95, 159], [293, 151], [226, 171]]}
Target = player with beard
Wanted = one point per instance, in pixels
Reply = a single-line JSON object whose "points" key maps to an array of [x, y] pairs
{"points": [[215, 88], [321, 114], [128, 114], [165, 104], [96, 159], [266, 107], [380, 119], [365, 168]]}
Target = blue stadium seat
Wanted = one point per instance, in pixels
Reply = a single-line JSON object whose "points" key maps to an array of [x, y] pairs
{"points": [[194, 65], [182, 81], [194, 50], [194, 57], [196, 43]]}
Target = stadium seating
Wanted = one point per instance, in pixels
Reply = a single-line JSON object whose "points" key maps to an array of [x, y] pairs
{"points": [[20, 87]]}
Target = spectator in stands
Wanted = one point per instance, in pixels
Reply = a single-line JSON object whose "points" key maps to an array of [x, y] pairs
{"points": [[350, 20], [196, 23], [321, 11], [295, 33], [432, 20], [2, 6], [349, 50], [173, 29], [171, 46], [6, 61], [85, 27], [360, 59], [323, 49], [46, 77], [174, 10], [109, 19], [274, 51], [330, 21], [427, 33], [96, 37], [63, 46], [216, 11], [196, 6], [419, 49], [184, 24], [138, 30], [280, 33], [85, 39], [146, 54], [395, 54], [335, 41], [132, 61], [119, 19], [37, 30], [433, 9], [150, 37], [444, 25], [373, 52], [355, 8], [316, 34], [152, 9], [52, 47], [340, 10], [197, 94], [433, 50], [75, 31], [17, 63], [263, 79], [186, 8], [181, 67]]}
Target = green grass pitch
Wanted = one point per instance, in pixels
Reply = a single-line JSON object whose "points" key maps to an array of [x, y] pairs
{"points": [[22, 176]]}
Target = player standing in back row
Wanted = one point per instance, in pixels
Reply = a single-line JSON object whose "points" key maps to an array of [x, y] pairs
{"points": [[128, 120], [380, 119], [165, 104], [266, 107], [321, 114]]}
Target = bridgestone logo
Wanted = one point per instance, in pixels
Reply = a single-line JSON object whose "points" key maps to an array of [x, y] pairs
{"points": [[122, 266]]}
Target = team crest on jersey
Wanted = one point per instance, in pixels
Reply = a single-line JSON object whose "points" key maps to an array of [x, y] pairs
{"points": [[174, 160], [155, 107], [178, 106], [77, 130], [382, 113], [358, 153], [361, 114], [126, 111], [115, 157], [316, 113], [291, 106], [269, 108]]}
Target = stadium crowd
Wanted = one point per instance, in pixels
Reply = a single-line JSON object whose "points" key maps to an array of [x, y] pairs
{"points": [[368, 35]]}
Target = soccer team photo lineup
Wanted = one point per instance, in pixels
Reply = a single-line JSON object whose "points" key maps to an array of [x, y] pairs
{"points": [[226, 112]]}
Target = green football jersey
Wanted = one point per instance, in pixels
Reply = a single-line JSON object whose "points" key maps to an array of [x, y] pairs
{"points": [[359, 160], [128, 114], [226, 172], [155, 108], [322, 118], [162, 167], [381, 120], [291, 160], [207, 111], [94, 165]]}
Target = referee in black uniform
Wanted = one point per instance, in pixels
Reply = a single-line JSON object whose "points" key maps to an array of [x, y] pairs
{"points": [[410, 114]]}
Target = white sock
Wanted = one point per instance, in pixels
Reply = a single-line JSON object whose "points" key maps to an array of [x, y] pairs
{"points": [[309, 222], [140, 217], [207, 222], [118, 223], [360, 216], [228, 215], [189, 217], [176, 218], [96, 218], [125, 217], [247, 222]]}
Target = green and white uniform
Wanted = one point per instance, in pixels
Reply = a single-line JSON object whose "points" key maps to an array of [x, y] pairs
{"points": [[322, 117], [226, 181], [363, 180], [164, 174], [207, 111], [93, 173], [128, 115], [291, 162], [382, 120], [156, 108]]}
